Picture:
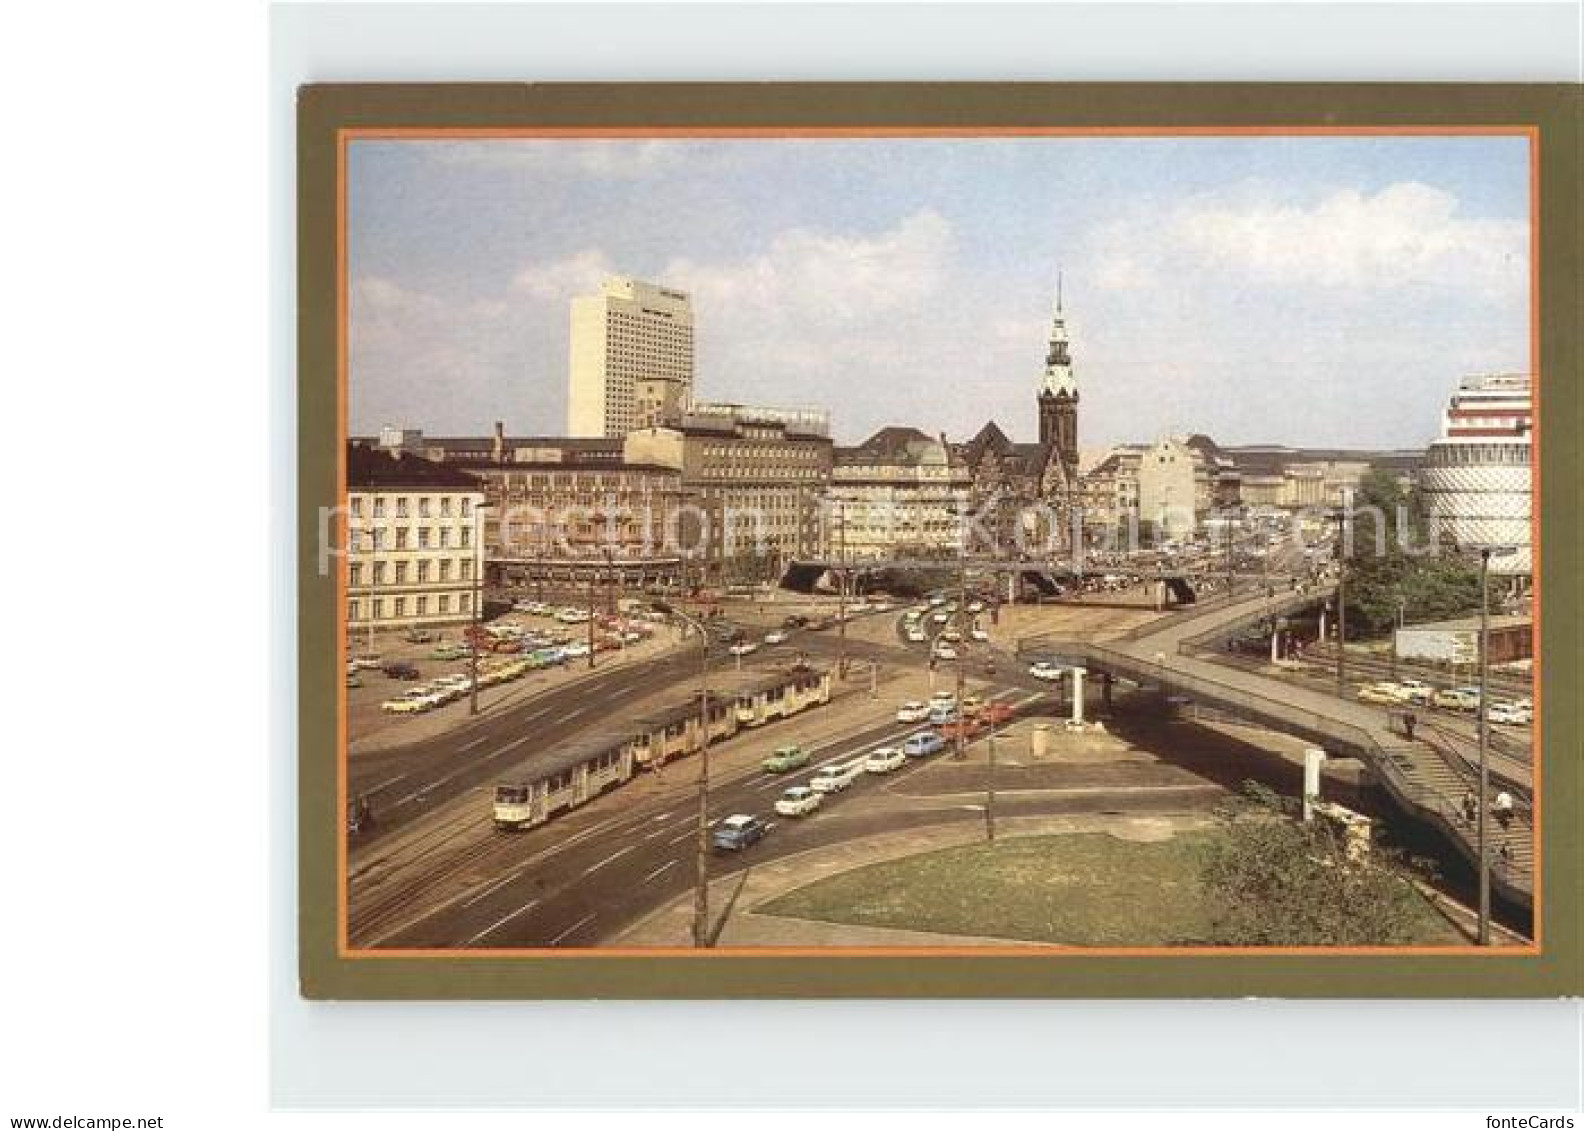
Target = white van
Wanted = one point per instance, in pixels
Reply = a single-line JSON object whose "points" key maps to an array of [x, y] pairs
{"points": [[837, 777]]}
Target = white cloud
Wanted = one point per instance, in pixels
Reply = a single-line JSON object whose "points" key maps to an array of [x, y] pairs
{"points": [[1407, 234], [560, 279], [615, 158]]}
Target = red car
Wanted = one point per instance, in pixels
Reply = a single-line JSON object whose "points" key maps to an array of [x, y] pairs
{"points": [[996, 713]]}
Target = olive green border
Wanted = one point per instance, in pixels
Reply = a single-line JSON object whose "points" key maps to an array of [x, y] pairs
{"points": [[1553, 109]]}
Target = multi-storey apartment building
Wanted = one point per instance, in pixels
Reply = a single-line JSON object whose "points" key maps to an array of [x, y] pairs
{"points": [[415, 552]]}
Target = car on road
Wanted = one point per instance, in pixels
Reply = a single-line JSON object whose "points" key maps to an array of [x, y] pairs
{"points": [[1457, 699], [885, 759], [971, 705], [1045, 670], [743, 648], [1416, 691], [1384, 693], [575, 651], [996, 712], [450, 652], [837, 776], [799, 801], [945, 652], [939, 698], [916, 635], [776, 637], [794, 620], [942, 714], [366, 662], [969, 729], [979, 634], [923, 744], [951, 636], [912, 712], [941, 618], [785, 759], [1508, 714], [737, 832]]}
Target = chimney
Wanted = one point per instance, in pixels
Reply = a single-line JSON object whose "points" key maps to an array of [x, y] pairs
{"points": [[498, 449]]}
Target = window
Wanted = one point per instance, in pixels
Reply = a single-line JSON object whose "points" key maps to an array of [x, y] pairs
{"points": [[401, 606], [357, 506], [445, 602], [423, 537], [379, 508], [465, 603], [401, 573], [381, 572], [466, 537], [445, 507], [352, 610], [423, 605], [445, 570], [423, 572], [445, 537], [401, 537], [466, 566], [423, 507], [467, 507], [379, 607], [356, 574], [401, 507]]}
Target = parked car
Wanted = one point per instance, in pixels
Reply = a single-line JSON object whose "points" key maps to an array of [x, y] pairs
{"points": [[979, 634], [885, 759], [737, 832], [743, 648], [400, 670], [794, 620], [799, 801], [912, 712], [418, 636], [916, 635], [785, 759], [1384, 693], [1045, 670], [945, 652], [837, 777], [367, 662], [1415, 691], [923, 744], [777, 637]]}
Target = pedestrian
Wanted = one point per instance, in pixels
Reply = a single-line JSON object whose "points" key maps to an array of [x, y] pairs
{"points": [[1470, 807], [1503, 808], [1409, 721]]}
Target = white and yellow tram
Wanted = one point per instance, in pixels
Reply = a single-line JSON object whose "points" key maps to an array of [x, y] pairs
{"points": [[573, 772]]}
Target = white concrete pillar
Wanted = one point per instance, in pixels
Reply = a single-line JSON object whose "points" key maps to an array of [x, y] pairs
{"points": [[1321, 638], [1275, 644], [1077, 696], [1314, 758]]}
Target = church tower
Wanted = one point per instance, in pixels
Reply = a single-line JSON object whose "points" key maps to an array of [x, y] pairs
{"points": [[1058, 396]]}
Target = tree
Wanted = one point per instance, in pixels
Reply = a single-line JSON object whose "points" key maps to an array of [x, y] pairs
{"points": [[1390, 521], [1272, 880]]}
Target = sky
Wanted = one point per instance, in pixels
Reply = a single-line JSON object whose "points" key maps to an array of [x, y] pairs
{"points": [[1309, 290]]}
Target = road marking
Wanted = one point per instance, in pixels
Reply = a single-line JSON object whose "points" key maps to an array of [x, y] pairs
{"points": [[501, 922], [679, 839], [668, 864], [664, 816], [479, 741], [574, 714], [492, 887], [573, 927], [614, 855], [386, 784]]}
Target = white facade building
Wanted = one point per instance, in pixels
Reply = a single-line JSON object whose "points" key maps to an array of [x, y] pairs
{"points": [[631, 358], [1478, 476], [415, 552]]}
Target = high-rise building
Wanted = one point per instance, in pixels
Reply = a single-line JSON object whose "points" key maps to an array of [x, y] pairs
{"points": [[1477, 478], [631, 358], [1058, 396]]}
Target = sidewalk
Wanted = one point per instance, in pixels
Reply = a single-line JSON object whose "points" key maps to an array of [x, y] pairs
{"points": [[672, 925]]}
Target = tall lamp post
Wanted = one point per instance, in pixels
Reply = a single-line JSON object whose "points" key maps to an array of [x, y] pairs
{"points": [[1341, 517], [477, 627], [701, 862], [1486, 552]]}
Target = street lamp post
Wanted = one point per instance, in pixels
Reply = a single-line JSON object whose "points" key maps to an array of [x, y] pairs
{"points": [[478, 616], [701, 931], [1340, 517], [1486, 553]]}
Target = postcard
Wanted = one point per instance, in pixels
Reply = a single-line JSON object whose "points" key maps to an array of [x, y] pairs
{"points": [[960, 540]]}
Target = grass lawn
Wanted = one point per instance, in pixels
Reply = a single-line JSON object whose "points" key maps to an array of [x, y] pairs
{"points": [[1081, 889]]}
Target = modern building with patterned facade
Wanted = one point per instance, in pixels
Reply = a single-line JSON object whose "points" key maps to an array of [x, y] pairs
{"points": [[751, 482], [897, 494], [415, 552], [1478, 479], [631, 358]]}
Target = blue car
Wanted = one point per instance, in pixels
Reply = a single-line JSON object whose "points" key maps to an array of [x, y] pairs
{"points": [[738, 832], [923, 744]]}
